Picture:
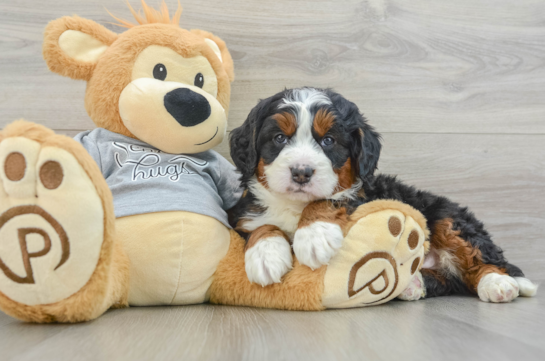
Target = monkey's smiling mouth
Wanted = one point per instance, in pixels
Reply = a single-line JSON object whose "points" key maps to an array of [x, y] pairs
{"points": [[217, 129]]}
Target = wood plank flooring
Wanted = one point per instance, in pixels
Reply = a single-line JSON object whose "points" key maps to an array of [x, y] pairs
{"points": [[448, 328]]}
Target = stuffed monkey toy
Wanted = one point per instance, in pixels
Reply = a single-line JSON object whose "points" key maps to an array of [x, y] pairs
{"points": [[133, 213]]}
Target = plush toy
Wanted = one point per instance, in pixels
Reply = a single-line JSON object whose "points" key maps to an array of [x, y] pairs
{"points": [[159, 96]]}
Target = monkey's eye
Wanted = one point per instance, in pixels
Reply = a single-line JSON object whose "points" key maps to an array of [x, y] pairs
{"points": [[280, 139], [160, 72], [199, 80], [327, 141]]}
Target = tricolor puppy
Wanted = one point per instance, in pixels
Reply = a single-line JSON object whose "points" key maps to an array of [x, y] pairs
{"points": [[303, 154], [307, 158]]}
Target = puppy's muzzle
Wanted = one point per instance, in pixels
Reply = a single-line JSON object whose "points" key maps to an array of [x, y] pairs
{"points": [[301, 175], [187, 107]]}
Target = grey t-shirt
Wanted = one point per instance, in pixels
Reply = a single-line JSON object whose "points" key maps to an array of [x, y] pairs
{"points": [[144, 179]]}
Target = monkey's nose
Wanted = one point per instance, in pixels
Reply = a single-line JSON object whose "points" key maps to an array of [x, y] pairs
{"points": [[187, 107], [301, 175]]}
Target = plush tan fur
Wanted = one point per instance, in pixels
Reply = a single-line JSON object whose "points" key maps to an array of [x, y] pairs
{"points": [[107, 76], [382, 205], [112, 72], [57, 60], [301, 288], [108, 284]]}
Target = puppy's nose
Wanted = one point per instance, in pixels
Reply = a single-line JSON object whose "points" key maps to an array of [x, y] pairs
{"points": [[301, 175], [187, 107]]}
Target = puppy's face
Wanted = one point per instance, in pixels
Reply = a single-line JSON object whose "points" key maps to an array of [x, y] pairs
{"points": [[304, 152], [304, 144]]}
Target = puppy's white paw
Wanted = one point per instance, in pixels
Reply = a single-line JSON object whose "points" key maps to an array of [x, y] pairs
{"points": [[314, 245], [526, 287], [494, 287], [415, 290], [268, 260]]}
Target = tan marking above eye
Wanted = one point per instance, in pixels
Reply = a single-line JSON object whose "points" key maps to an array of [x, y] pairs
{"points": [[323, 121], [15, 166], [178, 68], [51, 174], [286, 122]]}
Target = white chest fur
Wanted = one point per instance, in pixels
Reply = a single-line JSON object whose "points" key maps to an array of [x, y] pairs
{"points": [[280, 212]]}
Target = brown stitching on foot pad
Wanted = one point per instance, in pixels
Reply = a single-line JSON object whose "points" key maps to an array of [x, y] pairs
{"points": [[413, 239], [15, 166], [415, 264], [394, 225], [372, 288], [51, 174], [374, 255], [23, 232]]}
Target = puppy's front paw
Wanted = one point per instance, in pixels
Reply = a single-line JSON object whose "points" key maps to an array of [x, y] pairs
{"points": [[314, 245], [415, 290], [494, 287], [268, 260]]}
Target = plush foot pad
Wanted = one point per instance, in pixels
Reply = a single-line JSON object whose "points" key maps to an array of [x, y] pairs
{"points": [[51, 221], [382, 251]]}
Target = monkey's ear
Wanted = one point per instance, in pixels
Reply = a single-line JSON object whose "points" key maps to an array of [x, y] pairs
{"points": [[73, 45], [220, 49]]}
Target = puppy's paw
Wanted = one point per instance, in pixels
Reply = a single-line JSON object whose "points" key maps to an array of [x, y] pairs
{"points": [[526, 287], [268, 260], [495, 288], [415, 290], [314, 245]]}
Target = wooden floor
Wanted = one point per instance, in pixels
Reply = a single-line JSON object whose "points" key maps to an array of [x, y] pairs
{"points": [[448, 328], [457, 88]]}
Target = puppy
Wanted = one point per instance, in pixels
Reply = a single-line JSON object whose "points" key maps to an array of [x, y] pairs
{"points": [[307, 158]]}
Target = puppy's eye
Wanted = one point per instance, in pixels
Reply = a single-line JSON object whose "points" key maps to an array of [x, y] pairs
{"points": [[199, 80], [327, 141], [280, 139], [160, 72]]}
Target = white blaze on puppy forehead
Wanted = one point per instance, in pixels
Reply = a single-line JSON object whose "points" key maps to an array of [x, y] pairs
{"points": [[302, 150], [301, 101]]}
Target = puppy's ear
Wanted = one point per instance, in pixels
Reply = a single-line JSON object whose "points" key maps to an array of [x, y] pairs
{"points": [[243, 140], [365, 144], [367, 150], [220, 49], [73, 45], [243, 145]]}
